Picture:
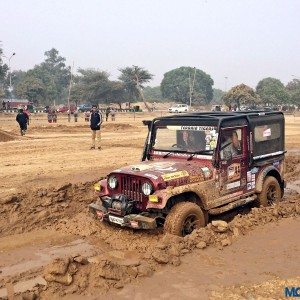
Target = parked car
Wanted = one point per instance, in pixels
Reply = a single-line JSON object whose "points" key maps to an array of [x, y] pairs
{"points": [[217, 107], [84, 107], [179, 108], [65, 108], [195, 166]]}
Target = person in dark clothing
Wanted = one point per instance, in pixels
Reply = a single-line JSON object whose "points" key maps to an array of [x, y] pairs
{"points": [[95, 123], [107, 112], [22, 119]]}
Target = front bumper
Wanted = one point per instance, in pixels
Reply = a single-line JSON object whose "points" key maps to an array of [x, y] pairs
{"points": [[135, 221]]}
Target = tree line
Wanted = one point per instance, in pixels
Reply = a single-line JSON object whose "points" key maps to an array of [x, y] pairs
{"points": [[49, 82], [269, 91]]}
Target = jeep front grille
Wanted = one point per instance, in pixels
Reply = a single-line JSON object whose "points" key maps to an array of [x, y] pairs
{"points": [[131, 187]]}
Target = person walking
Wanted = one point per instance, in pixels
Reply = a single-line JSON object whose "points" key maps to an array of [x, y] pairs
{"points": [[22, 119], [27, 112], [95, 124]]}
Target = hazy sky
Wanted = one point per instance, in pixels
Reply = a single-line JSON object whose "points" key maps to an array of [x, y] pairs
{"points": [[245, 40]]}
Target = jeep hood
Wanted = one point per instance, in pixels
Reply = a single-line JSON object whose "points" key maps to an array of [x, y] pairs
{"points": [[170, 170]]}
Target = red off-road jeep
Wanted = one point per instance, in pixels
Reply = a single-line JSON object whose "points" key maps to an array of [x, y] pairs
{"points": [[196, 165]]}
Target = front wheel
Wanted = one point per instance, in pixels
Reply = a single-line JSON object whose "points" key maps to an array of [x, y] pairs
{"points": [[270, 193], [183, 218]]}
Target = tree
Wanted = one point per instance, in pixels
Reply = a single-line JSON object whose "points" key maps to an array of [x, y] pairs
{"points": [[47, 82], [17, 77], [241, 95], [153, 93], [56, 75], [272, 91], [3, 74], [134, 79], [117, 93], [293, 89], [217, 96], [31, 88], [177, 84], [91, 86]]}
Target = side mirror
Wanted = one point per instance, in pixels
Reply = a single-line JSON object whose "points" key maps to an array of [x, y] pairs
{"points": [[147, 123]]}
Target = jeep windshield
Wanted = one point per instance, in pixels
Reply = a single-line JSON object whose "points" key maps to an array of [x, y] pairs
{"points": [[198, 139]]}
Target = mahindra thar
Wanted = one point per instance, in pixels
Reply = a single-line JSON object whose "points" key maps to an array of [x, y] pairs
{"points": [[194, 166]]}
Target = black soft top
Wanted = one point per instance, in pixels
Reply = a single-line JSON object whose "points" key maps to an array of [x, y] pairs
{"points": [[254, 119], [222, 116]]}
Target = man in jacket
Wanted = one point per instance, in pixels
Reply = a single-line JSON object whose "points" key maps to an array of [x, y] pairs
{"points": [[23, 120], [96, 121]]}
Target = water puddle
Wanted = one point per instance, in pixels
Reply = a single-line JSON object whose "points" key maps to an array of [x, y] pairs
{"points": [[22, 286], [294, 186], [35, 258]]}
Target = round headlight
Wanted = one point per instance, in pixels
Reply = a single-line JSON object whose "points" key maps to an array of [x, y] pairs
{"points": [[147, 188], [112, 182]]}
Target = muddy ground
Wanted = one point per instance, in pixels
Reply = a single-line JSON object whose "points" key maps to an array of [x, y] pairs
{"points": [[46, 185]]}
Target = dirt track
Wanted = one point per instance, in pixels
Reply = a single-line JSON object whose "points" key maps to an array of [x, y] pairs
{"points": [[46, 184]]}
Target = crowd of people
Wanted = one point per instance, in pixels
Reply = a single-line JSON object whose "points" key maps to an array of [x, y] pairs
{"points": [[94, 117]]}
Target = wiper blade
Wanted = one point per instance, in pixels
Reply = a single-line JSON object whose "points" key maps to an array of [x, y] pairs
{"points": [[198, 152], [180, 151], [167, 154]]}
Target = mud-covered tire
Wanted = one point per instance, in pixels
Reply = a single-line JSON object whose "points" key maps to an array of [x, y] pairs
{"points": [[183, 218], [271, 192]]}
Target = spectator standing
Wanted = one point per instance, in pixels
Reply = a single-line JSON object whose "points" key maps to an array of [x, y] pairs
{"points": [[95, 124], [76, 115], [107, 112], [113, 114], [87, 115], [22, 119], [50, 116], [54, 116]]}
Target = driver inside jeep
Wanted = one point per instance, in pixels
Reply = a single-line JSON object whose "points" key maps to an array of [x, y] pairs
{"points": [[231, 147], [192, 142]]}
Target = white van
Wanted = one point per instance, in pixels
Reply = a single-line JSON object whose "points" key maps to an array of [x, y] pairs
{"points": [[179, 108]]}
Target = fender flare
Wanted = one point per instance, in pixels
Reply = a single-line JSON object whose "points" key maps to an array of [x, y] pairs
{"points": [[166, 194], [263, 174]]}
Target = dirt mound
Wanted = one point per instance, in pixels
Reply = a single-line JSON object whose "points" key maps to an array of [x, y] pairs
{"points": [[6, 136], [130, 254], [114, 269], [43, 208], [58, 128], [118, 126], [292, 167]]}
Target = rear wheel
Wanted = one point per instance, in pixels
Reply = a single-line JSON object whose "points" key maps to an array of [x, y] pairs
{"points": [[271, 192], [183, 218]]}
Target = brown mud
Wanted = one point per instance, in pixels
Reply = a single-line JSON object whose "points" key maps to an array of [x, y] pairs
{"points": [[51, 246], [6, 136]]}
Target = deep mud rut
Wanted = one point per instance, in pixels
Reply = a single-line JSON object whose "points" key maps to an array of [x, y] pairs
{"points": [[256, 256]]}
